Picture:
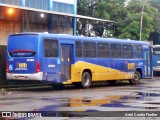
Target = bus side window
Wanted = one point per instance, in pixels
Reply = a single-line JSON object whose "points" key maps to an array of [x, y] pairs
{"points": [[139, 51], [50, 48], [127, 51], [102, 50], [89, 49], [78, 49], [115, 50]]}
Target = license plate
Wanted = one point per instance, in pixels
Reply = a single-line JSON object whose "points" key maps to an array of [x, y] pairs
{"points": [[21, 77]]}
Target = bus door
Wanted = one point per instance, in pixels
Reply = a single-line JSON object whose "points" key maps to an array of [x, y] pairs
{"points": [[66, 59], [147, 63]]}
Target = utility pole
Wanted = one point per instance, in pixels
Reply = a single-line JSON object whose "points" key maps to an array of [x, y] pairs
{"points": [[141, 24]]}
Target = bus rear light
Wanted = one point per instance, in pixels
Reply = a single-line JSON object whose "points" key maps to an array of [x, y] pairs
{"points": [[7, 67], [37, 67]]}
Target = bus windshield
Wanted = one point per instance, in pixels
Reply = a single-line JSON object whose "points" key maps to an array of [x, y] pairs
{"points": [[22, 46], [156, 51]]}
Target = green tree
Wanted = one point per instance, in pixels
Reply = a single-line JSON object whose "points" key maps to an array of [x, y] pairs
{"points": [[130, 26], [127, 17], [86, 7], [156, 17], [104, 9], [155, 4], [156, 22], [110, 9]]}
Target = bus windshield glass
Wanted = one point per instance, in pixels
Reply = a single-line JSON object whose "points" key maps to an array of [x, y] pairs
{"points": [[156, 51], [22, 46]]}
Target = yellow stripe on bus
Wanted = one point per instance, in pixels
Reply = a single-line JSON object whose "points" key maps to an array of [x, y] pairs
{"points": [[99, 73]]}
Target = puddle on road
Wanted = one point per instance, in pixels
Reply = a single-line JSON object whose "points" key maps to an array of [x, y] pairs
{"points": [[109, 101], [85, 103], [148, 94]]}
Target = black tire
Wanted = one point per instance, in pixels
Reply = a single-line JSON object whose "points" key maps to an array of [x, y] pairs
{"points": [[136, 80], [86, 80], [112, 82]]}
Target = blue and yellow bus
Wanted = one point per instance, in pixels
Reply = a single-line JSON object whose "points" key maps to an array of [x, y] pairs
{"points": [[156, 59], [78, 60]]}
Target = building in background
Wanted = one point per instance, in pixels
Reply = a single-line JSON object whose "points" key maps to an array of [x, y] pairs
{"points": [[53, 16]]}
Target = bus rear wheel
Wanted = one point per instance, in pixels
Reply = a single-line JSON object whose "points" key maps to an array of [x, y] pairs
{"points": [[86, 80], [137, 78]]}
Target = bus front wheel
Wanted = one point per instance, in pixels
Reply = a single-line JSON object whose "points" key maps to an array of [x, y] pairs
{"points": [[86, 80], [137, 78]]}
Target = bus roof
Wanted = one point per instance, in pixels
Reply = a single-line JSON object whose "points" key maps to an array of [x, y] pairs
{"points": [[83, 38]]}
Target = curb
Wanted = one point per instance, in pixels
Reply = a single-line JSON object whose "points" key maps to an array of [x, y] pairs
{"points": [[21, 86]]}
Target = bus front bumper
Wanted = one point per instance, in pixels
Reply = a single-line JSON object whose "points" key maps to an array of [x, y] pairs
{"points": [[156, 69], [35, 76]]}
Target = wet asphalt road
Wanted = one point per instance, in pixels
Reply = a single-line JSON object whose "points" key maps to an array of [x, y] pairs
{"points": [[100, 97]]}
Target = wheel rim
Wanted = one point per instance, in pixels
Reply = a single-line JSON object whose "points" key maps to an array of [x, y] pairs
{"points": [[86, 80], [136, 77]]}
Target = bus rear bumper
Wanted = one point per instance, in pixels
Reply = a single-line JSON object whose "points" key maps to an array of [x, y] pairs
{"points": [[36, 76], [156, 69]]}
